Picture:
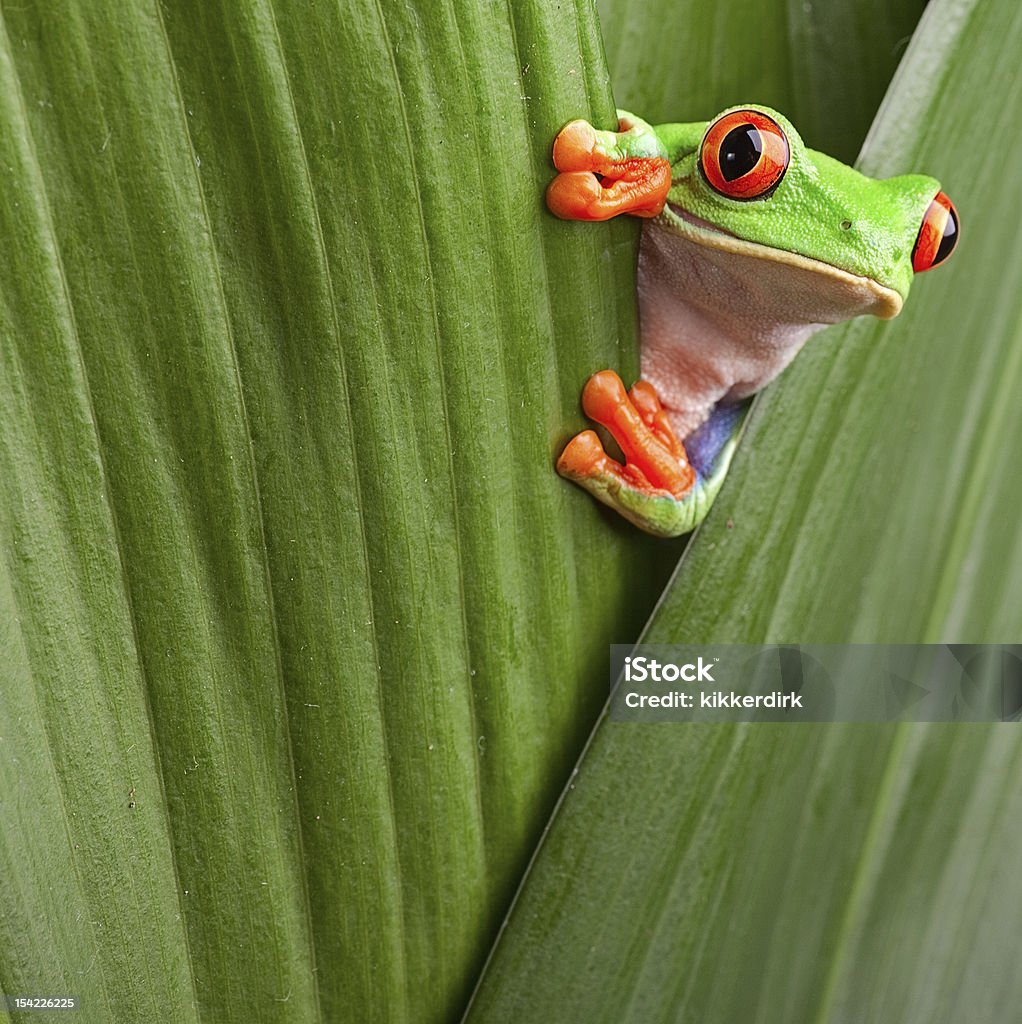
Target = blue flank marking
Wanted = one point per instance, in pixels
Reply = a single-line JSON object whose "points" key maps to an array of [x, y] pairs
{"points": [[703, 445]]}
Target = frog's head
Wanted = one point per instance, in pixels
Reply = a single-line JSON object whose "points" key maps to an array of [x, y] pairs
{"points": [[747, 184]]}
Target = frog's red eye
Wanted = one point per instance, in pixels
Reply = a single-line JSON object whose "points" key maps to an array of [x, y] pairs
{"points": [[938, 236], [744, 155]]}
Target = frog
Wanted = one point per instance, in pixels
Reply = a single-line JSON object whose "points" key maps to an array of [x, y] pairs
{"points": [[751, 243]]}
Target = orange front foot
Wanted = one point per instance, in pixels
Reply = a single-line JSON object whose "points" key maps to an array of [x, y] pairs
{"points": [[604, 174]]}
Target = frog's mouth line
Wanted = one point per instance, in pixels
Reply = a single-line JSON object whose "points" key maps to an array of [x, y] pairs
{"points": [[886, 301]]}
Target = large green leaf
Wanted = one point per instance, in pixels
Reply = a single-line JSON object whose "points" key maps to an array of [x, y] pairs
{"points": [[829, 873], [299, 626]]}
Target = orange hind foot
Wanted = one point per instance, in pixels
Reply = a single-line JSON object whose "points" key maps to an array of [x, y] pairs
{"points": [[655, 460]]}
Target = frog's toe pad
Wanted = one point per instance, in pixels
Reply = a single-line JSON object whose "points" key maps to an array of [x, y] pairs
{"points": [[574, 147], [583, 457], [577, 195]]}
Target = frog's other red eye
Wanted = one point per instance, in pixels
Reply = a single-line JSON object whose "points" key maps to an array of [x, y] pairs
{"points": [[744, 155], [938, 236]]}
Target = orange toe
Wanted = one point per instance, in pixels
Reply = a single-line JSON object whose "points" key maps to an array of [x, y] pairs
{"points": [[648, 406], [578, 195], [574, 145], [603, 396], [583, 457], [645, 399]]}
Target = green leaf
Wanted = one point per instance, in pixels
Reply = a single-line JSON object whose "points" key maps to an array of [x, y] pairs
{"points": [[829, 873], [300, 627], [825, 64]]}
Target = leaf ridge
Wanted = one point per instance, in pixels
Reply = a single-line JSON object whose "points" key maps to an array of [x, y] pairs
{"points": [[268, 589], [45, 215]]}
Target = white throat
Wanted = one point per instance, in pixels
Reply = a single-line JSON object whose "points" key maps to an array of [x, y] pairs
{"points": [[720, 321]]}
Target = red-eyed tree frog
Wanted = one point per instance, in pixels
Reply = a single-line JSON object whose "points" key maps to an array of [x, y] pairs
{"points": [[752, 243]]}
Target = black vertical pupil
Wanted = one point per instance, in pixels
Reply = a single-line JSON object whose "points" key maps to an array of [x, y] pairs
{"points": [[947, 243], [740, 151]]}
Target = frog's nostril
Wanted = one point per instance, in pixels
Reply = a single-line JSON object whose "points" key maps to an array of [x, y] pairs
{"points": [[846, 225]]}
